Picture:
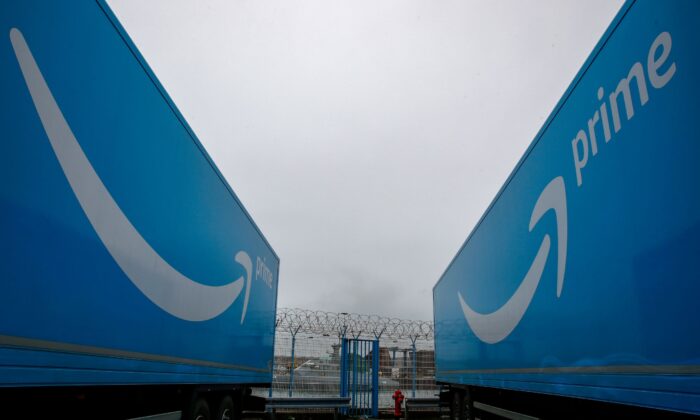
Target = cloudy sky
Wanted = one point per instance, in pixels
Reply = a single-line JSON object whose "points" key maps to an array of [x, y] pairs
{"points": [[365, 137]]}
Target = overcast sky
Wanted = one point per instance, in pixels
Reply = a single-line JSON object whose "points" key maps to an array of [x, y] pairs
{"points": [[365, 137]]}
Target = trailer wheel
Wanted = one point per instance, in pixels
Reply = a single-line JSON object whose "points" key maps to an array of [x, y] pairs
{"points": [[199, 410], [225, 409]]}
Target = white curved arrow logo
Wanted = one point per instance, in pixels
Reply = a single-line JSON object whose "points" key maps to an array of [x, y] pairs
{"points": [[496, 326], [150, 273]]}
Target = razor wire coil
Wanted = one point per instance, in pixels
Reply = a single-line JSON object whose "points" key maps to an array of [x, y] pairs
{"points": [[353, 325]]}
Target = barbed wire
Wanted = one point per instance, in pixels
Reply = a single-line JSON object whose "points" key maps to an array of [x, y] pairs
{"points": [[351, 325]]}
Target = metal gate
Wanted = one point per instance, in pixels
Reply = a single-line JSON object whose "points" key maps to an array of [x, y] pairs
{"points": [[359, 375]]}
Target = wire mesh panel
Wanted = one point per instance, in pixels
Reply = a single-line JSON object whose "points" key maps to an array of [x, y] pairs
{"points": [[308, 352], [311, 370]]}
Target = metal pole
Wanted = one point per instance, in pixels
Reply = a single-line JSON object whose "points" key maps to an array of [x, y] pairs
{"points": [[413, 346], [363, 376], [343, 367], [375, 378], [291, 368], [354, 375], [368, 374]]}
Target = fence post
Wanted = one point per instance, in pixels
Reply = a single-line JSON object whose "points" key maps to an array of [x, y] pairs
{"points": [[343, 367], [291, 368], [415, 356], [375, 378], [354, 375]]}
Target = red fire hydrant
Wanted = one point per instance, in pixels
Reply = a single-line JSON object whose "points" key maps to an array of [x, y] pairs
{"points": [[398, 400]]}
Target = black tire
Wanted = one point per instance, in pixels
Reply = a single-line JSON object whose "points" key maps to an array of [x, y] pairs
{"points": [[199, 410], [225, 409]]}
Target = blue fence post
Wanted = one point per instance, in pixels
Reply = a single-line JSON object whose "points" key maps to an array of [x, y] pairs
{"points": [[375, 378], [415, 356], [354, 374], [342, 331], [343, 367], [368, 375], [362, 380]]}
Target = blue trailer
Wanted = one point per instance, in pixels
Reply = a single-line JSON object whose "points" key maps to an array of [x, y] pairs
{"points": [[128, 267], [577, 291]]}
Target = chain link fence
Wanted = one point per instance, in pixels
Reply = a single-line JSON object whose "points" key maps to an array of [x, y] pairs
{"points": [[308, 353]]}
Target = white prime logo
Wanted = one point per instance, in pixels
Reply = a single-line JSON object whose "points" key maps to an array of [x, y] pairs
{"points": [[496, 326], [149, 272]]}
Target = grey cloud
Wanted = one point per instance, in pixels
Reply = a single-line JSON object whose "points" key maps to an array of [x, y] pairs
{"points": [[366, 138]]}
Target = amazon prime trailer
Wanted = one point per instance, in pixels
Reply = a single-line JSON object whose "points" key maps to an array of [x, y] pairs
{"points": [[132, 280], [576, 295]]}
